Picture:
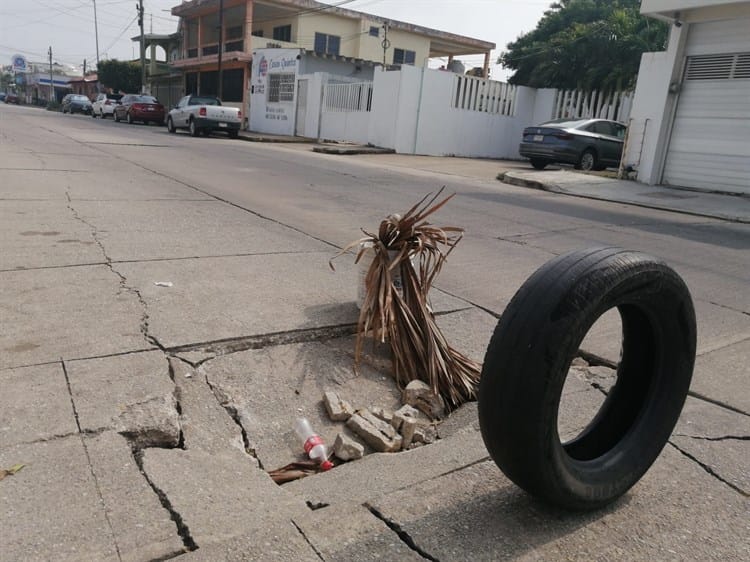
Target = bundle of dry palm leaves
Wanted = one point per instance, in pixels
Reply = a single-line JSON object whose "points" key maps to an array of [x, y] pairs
{"points": [[410, 249]]}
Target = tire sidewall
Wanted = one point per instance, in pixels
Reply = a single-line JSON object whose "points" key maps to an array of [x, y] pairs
{"points": [[541, 352]]}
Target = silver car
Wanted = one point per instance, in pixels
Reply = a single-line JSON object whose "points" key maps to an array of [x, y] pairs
{"points": [[588, 144]]}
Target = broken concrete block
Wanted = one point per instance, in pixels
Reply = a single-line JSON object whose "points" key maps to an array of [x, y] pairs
{"points": [[378, 434], [402, 414], [338, 409], [419, 394], [425, 435], [579, 362], [408, 428], [347, 449], [154, 423], [383, 414]]}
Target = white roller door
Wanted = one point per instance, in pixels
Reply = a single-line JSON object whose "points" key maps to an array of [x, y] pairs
{"points": [[710, 141]]}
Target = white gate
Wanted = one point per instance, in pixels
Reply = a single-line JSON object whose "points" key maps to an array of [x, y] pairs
{"points": [[579, 104]]}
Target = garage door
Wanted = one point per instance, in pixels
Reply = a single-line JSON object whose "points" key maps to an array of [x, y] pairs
{"points": [[710, 141]]}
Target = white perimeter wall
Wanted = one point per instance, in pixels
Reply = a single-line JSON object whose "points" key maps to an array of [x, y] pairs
{"points": [[412, 113]]}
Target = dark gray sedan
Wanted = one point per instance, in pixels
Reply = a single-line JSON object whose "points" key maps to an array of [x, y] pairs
{"points": [[76, 103], [588, 144]]}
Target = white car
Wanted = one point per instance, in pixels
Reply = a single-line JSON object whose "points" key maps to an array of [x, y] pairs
{"points": [[104, 104], [204, 114]]}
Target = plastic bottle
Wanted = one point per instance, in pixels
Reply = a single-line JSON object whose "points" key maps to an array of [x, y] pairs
{"points": [[312, 443]]}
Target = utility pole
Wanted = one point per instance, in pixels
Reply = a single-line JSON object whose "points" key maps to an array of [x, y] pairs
{"points": [[385, 43], [51, 83], [139, 7], [84, 68], [221, 48], [96, 32]]}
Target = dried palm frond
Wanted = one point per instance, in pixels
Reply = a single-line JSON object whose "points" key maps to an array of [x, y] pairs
{"points": [[409, 252]]}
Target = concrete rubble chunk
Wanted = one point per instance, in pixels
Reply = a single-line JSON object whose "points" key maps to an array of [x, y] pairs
{"points": [[425, 435], [383, 414], [338, 409], [419, 394], [378, 434], [154, 423], [579, 362], [408, 428], [402, 414], [347, 449]]}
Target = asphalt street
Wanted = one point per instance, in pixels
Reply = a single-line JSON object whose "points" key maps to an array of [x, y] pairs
{"points": [[168, 310]]}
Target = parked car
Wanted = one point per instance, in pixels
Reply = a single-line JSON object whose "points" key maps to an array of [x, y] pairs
{"points": [[588, 144], [76, 103], [137, 107], [10, 97], [2, 96], [204, 114], [104, 104]]}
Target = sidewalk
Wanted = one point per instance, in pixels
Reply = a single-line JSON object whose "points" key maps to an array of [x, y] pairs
{"points": [[699, 203]]}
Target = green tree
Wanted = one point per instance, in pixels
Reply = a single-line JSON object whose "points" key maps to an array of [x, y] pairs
{"points": [[587, 44], [120, 75]]}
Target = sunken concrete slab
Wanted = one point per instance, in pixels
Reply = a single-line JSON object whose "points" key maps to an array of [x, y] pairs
{"points": [[676, 512], [106, 390], [380, 473], [205, 423], [717, 438], [44, 234], [724, 375], [169, 229], [220, 496], [34, 405], [69, 313], [214, 299], [351, 532], [51, 508], [142, 527], [270, 388]]}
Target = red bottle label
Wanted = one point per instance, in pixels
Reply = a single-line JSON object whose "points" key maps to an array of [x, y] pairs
{"points": [[312, 442]]}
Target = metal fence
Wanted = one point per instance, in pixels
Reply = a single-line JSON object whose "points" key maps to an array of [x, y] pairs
{"points": [[348, 97], [579, 104], [488, 96]]}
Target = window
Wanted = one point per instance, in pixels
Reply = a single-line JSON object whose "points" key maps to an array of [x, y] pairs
{"points": [[403, 56], [281, 87], [328, 44], [231, 84], [257, 33], [374, 31], [234, 32], [282, 33]]}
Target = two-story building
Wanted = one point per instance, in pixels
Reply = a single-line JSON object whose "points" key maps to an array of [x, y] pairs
{"points": [[690, 123], [239, 27]]}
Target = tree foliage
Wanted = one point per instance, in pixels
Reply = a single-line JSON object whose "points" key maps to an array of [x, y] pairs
{"points": [[121, 76], [588, 44]]}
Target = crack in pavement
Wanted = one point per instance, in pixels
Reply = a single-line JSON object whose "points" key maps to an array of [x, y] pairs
{"points": [[307, 540], [182, 529], [90, 464], [144, 324], [710, 470], [721, 438], [402, 534], [71, 359]]}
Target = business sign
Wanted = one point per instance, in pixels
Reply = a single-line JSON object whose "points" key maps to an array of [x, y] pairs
{"points": [[19, 63]]}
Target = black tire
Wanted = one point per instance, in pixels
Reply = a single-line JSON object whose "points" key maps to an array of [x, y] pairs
{"points": [[170, 125], [587, 161], [116, 117], [129, 118], [194, 131], [93, 114], [531, 350], [539, 164], [233, 134]]}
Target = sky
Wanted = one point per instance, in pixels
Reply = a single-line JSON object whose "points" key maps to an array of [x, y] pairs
{"points": [[30, 27]]}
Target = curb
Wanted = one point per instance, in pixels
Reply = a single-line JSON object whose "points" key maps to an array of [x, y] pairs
{"points": [[278, 140], [352, 150], [510, 179]]}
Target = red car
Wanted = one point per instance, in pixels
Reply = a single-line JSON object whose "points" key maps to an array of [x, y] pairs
{"points": [[136, 107]]}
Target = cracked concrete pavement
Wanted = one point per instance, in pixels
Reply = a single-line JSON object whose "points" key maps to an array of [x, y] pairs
{"points": [[147, 415]]}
